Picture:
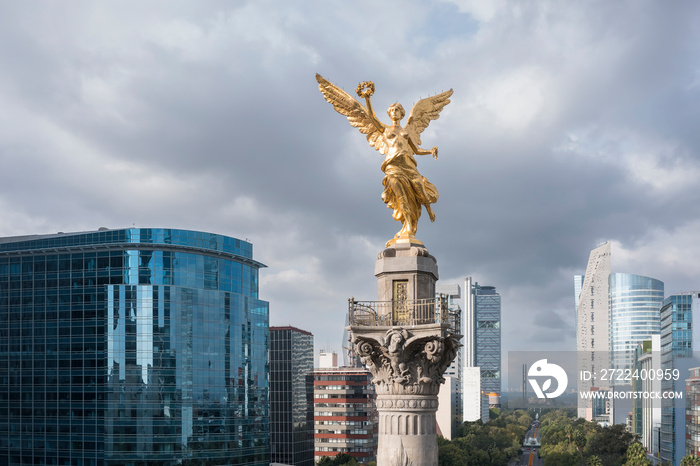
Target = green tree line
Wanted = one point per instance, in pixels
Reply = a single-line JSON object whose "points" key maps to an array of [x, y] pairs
{"points": [[491, 444], [566, 441], [570, 441]]}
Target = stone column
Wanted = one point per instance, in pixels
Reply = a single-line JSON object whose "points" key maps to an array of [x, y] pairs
{"points": [[405, 340], [407, 367]]}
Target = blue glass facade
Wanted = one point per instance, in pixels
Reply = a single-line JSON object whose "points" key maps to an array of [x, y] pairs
{"points": [[487, 337], [132, 347], [634, 314], [676, 344]]}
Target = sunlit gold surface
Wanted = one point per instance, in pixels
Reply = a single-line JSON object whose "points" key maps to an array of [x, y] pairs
{"points": [[405, 190]]}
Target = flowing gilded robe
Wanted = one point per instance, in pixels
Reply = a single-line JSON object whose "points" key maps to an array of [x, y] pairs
{"points": [[405, 190]]}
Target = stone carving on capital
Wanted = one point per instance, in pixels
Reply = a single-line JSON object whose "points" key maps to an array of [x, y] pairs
{"points": [[402, 363]]}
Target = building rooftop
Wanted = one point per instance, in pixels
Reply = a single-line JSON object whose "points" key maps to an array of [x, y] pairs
{"points": [[140, 238], [289, 327]]}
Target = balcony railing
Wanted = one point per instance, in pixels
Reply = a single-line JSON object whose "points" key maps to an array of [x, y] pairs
{"points": [[399, 313]]}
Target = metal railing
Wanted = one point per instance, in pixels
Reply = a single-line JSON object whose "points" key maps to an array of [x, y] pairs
{"points": [[399, 313]]}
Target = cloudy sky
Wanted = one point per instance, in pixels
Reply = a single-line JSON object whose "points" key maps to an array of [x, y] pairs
{"points": [[571, 123]]}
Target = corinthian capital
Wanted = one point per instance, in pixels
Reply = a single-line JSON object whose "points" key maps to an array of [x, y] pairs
{"points": [[402, 362]]}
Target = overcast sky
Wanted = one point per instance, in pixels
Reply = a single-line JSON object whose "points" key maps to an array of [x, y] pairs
{"points": [[571, 123]]}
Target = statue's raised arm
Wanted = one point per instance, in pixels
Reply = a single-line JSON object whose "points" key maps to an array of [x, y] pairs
{"points": [[360, 117], [405, 190]]}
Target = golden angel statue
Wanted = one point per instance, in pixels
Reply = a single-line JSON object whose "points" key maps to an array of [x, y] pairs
{"points": [[405, 190]]}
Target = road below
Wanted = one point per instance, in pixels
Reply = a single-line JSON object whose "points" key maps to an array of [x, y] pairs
{"points": [[530, 448]]}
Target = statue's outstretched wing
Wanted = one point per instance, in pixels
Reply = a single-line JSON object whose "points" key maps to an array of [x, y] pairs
{"points": [[425, 110], [357, 115]]}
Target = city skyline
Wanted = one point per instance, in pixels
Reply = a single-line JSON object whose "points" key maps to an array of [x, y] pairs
{"points": [[569, 125]]}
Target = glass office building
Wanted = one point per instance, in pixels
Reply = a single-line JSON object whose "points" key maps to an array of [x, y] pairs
{"points": [[634, 315], [291, 396], [132, 347], [487, 336], [676, 353]]}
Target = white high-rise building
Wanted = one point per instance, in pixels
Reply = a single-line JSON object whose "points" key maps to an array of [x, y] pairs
{"points": [[448, 407], [649, 360], [450, 396], [453, 294], [578, 283], [592, 324], [472, 396]]}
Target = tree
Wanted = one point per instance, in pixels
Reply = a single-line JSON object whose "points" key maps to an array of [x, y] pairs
{"points": [[569, 430], [690, 460], [610, 444], [580, 440], [490, 444], [451, 455], [566, 458], [637, 455], [343, 459], [567, 440]]}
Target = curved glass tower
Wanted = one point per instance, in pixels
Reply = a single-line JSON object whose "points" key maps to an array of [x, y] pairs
{"points": [[132, 346], [634, 314]]}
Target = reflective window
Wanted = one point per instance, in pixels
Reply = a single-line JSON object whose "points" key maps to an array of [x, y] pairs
{"points": [[126, 345]]}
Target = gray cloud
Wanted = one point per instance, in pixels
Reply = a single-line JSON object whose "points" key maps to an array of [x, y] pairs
{"points": [[570, 123]]}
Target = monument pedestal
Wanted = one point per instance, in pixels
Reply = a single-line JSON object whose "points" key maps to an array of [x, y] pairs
{"points": [[409, 264], [406, 341]]}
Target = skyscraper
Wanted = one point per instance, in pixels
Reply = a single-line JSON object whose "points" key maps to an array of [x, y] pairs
{"points": [[483, 305], [676, 354], [473, 405], [578, 284], [634, 315], [478, 362], [132, 346], [592, 315], [592, 320], [453, 294], [647, 411], [692, 417], [291, 396], [449, 413]]}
